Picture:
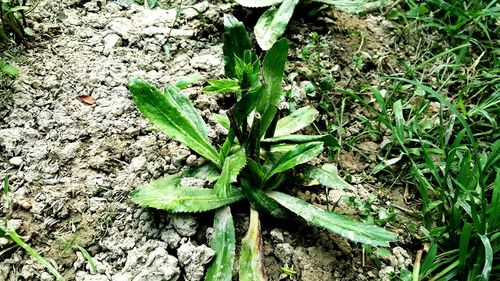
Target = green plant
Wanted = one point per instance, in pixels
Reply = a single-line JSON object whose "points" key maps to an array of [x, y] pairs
{"points": [[73, 244], [13, 25], [8, 69], [251, 163], [272, 24], [455, 168], [7, 231]]}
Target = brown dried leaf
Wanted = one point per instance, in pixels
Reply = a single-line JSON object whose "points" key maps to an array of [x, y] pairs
{"points": [[86, 99]]}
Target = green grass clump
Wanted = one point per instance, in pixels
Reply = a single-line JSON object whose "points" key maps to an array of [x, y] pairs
{"points": [[442, 112]]}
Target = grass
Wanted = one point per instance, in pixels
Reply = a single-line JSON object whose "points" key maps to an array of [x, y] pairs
{"points": [[442, 114]]}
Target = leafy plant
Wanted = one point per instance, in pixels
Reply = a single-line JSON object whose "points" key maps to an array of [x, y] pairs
{"points": [[7, 231], [73, 244], [13, 25], [251, 163], [8, 69], [272, 24]]}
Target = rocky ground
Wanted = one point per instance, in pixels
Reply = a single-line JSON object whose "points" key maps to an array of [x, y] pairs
{"points": [[74, 145]]}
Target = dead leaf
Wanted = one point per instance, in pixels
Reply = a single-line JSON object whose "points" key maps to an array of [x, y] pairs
{"points": [[86, 99]]}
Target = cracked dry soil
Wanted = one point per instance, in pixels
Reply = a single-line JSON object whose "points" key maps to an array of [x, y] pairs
{"points": [[74, 145]]}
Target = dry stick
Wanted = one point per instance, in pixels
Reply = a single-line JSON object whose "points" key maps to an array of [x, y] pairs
{"points": [[416, 265]]}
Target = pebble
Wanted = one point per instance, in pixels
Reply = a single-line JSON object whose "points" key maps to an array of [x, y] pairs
{"points": [[16, 161]]}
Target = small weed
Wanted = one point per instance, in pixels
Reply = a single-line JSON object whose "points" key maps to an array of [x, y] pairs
{"points": [[7, 231], [72, 244], [253, 160]]}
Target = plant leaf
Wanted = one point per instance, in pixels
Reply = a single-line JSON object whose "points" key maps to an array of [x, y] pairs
{"points": [[344, 226], [187, 108], [8, 231], [300, 154], [296, 121], [222, 86], [354, 6], [183, 83], [223, 120], [207, 172], [174, 114], [272, 72], [230, 170], [236, 41], [327, 175], [10, 70], [272, 24], [167, 194], [257, 3], [224, 245], [251, 256], [261, 201], [328, 140]]}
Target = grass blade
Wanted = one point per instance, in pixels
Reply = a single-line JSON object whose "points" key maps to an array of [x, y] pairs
{"points": [[12, 235], [488, 259], [344, 226], [224, 245], [251, 256]]}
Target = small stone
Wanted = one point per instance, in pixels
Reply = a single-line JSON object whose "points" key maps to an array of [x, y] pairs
{"points": [[191, 160], [112, 41], [184, 224], [193, 259], [16, 161]]}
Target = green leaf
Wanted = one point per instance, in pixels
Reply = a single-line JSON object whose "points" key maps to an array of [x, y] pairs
{"points": [[251, 256], [10, 70], [398, 116], [272, 72], [167, 194], [296, 121], [328, 140], [8, 231], [88, 257], [223, 120], [488, 258], [183, 83], [272, 24], [230, 170], [222, 86], [236, 41], [344, 226], [257, 3], [224, 245], [354, 6], [261, 201], [327, 175], [300, 154], [173, 114], [206, 172], [187, 108], [152, 3]]}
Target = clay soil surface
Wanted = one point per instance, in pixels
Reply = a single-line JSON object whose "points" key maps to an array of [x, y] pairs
{"points": [[74, 145]]}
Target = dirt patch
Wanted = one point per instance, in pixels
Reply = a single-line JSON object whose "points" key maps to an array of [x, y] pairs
{"points": [[72, 163]]}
